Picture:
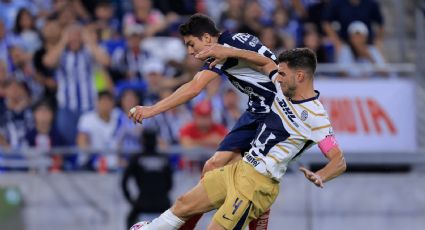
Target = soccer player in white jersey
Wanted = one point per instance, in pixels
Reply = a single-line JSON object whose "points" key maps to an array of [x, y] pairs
{"points": [[244, 190], [198, 33]]}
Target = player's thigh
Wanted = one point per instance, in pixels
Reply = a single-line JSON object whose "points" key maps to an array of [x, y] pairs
{"points": [[220, 159], [193, 202]]}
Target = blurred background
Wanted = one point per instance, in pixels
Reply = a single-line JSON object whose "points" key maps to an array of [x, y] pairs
{"points": [[71, 69]]}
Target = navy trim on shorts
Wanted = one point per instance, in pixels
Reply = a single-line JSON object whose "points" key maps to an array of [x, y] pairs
{"points": [[240, 223]]}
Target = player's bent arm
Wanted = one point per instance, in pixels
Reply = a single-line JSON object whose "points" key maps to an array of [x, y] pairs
{"points": [[257, 61], [335, 167], [184, 93]]}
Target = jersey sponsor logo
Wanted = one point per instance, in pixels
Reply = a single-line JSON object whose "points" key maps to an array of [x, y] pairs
{"points": [[288, 112], [359, 115], [250, 159]]}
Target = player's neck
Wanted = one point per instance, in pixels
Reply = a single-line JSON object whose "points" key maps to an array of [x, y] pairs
{"points": [[304, 92]]}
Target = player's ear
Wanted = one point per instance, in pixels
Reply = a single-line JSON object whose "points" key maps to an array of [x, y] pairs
{"points": [[206, 37], [300, 75]]}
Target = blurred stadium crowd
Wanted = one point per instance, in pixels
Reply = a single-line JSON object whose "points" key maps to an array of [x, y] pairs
{"points": [[70, 70]]}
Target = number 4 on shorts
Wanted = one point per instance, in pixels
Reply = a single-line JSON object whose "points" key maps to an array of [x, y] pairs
{"points": [[236, 205]]}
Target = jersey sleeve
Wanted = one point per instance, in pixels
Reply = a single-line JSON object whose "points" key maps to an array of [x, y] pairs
{"points": [[321, 128], [322, 134], [215, 69], [248, 42]]}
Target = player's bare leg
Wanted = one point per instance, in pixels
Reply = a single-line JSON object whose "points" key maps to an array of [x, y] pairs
{"points": [[219, 159], [193, 202]]}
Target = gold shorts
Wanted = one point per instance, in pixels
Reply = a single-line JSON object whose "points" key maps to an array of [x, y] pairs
{"points": [[240, 194]]}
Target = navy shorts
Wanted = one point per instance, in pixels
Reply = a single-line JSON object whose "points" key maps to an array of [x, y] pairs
{"points": [[240, 137]]}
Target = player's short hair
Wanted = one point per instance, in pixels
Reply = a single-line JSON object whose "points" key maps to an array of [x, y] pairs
{"points": [[198, 25], [299, 58]]}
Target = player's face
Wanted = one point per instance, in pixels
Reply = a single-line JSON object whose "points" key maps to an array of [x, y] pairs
{"points": [[194, 44], [287, 79]]}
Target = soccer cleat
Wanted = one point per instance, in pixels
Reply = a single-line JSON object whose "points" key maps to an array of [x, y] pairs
{"points": [[140, 225]]}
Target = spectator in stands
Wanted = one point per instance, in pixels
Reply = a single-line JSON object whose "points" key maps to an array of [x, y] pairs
{"points": [[128, 134], [3, 84], [4, 45], [358, 50], [213, 93], [26, 32], [314, 14], [286, 27], [168, 124], [143, 14], [129, 61], [9, 9], [69, 12], [231, 111], [74, 57], [271, 39], [252, 18], [17, 119], [22, 70], [97, 131], [153, 71], [202, 132], [345, 12], [45, 75], [231, 17], [153, 176], [107, 26], [313, 41], [44, 135]]}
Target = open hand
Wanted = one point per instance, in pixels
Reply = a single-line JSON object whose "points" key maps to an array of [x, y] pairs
{"points": [[313, 177]]}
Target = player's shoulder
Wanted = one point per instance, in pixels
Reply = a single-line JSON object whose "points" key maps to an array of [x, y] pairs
{"points": [[313, 112], [236, 38], [316, 114]]}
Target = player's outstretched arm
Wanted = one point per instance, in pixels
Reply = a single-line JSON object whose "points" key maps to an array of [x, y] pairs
{"points": [[335, 167], [221, 52], [183, 94]]}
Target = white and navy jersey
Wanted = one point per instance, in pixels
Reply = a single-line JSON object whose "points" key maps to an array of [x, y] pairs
{"points": [[289, 129], [255, 84], [74, 76]]}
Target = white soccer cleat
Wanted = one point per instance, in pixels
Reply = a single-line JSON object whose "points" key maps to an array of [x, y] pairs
{"points": [[140, 226]]}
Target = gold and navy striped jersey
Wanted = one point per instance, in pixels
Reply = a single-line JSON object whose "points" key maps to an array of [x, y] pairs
{"points": [[289, 129]]}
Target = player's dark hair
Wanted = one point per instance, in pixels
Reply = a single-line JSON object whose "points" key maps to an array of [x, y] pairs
{"points": [[198, 25], [299, 58]]}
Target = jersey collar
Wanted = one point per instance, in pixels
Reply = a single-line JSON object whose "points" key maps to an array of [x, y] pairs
{"points": [[308, 99]]}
